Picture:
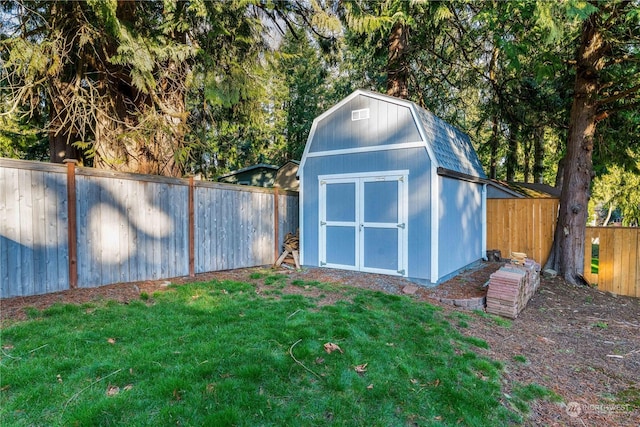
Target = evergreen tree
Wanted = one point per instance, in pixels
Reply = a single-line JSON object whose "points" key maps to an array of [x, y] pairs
{"points": [[606, 82]]}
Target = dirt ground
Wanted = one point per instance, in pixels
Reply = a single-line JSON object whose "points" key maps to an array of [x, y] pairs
{"points": [[577, 341]]}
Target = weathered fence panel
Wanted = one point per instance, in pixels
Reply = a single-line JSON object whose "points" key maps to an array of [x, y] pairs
{"points": [[522, 225], [33, 229], [618, 255], [128, 227], [234, 226]]}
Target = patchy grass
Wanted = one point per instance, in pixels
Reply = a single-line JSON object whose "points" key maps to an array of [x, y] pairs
{"points": [[522, 395], [497, 320], [218, 354], [601, 325], [519, 358]]}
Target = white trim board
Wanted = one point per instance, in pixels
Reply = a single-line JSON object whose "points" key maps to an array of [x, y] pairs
{"points": [[374, 174], [374, 148]]}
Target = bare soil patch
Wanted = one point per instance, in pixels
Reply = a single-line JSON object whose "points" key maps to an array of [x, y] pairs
{"points": [[577, 341]]}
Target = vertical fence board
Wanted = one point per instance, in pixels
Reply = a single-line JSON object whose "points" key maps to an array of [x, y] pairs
{"points": [[588, 255], [216, 233], [13, 248], [40, 264], [637, 280], [55, 251], [5, 242], [123, 274], [26, 231], [605, 270]]}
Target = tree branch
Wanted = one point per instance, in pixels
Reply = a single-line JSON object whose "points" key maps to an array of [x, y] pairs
{"points": [[619, 95]]}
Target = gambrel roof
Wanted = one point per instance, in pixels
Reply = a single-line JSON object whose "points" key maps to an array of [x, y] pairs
{"points": [[448, 148]]}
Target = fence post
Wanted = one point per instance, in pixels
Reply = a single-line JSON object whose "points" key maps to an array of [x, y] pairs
{"points": [[72, 226], [192, 231], [276, 224]]}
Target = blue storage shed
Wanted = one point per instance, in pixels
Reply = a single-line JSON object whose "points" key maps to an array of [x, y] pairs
{"points": [[387, 187]]}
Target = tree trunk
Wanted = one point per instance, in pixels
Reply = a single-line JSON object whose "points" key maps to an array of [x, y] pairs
{"points": [[61, 136], [494, 142], [62, 127], [495, 128], [397, 68], [526, 167], [135, 130], [560, 173], [512, 155], [567, 253], [538, 155]]}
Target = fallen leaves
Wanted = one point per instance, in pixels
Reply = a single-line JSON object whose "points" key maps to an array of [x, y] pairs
{"points": [[414, 381], [331, 347], [361, 369], [546, 340], [113, 390], [111, 341]]}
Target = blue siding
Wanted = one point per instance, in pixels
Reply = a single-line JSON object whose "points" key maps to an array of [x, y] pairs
{"points": [[415, 160], [388, 124], [460, 238]]}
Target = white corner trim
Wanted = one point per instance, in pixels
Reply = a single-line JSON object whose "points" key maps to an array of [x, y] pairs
{"points": [[435, 223], [301, 232], [484, 222]]}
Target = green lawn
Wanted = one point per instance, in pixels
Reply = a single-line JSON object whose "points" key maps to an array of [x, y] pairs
{"points": [[219, 354], [595, 261]]}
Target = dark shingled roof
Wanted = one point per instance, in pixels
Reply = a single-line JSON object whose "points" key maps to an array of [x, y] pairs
{"points": [[451, 147]]}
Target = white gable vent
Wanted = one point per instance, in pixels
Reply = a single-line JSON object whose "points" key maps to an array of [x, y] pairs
{"points": [[359, 114]]}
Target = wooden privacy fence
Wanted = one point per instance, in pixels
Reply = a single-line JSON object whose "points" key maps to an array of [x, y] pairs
{"points": [[65, 227], [522, 225], [527, 225], [617, 251]]}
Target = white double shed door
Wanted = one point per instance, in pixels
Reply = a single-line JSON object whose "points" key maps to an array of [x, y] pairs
{"points": [[363, 221]]}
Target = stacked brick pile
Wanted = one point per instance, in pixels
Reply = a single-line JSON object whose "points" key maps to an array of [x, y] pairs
{"points": [[511, 287]]}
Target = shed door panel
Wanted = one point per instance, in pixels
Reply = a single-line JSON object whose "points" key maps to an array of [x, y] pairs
{"points": [[339, 226], [341, 246], [381, 235], [380, 250], [362, 223]]}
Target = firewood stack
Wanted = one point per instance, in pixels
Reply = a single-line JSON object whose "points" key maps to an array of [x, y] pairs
{"points": [[518, 258], [511, 287], [290, 254]]}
